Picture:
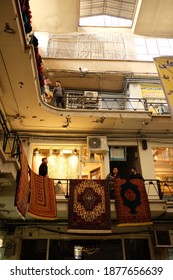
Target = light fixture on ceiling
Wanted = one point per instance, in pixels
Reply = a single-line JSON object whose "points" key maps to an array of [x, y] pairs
{"points": [[51, 151], [59, 184], [1, 242], [92, 157], [36, 151], [66, 151]]}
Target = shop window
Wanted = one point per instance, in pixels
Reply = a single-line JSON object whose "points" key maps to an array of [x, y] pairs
{"points": [[137, 249], [63, 162], [33, 249], [86, 249], [163, 163]]}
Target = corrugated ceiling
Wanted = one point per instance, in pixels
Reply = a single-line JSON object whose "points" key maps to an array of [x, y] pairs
{"points": [[117, 8]]}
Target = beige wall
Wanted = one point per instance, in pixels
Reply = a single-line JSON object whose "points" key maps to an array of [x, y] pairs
{"points": [[54, 18]]}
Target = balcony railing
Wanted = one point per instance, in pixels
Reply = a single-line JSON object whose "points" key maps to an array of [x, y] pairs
{"points": [[156, 189], [10, 140], [77, 101]]}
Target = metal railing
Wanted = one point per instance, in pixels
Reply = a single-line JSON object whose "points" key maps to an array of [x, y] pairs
{"points": [[156, 189], [78, 101], [10, 140]]}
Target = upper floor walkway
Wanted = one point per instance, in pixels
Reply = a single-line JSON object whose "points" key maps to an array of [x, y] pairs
{"points": [[76, 100]]}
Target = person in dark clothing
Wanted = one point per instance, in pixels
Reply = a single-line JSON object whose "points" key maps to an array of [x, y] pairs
{"points": [[59, 95], [43, 168], [111, 179], [134, 174], [115, 173]]}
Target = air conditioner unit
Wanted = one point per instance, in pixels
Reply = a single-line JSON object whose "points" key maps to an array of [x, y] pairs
{"points": [[164, 238], [91, 94], [97, 143], [92, 100]]}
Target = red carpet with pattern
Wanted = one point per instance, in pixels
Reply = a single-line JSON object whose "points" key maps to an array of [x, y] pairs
{"points": [[131, 203], [89, 206], [22, 190], [42, 198]]}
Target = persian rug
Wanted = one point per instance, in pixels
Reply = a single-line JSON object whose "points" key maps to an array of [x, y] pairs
{"points": [[89, 207], [131, 203], [42, 197], [22, 189]]}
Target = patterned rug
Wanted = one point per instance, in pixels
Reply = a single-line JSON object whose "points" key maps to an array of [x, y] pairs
{"points": [[42, 198], [22, 189], [131, 203], [89, 207]]}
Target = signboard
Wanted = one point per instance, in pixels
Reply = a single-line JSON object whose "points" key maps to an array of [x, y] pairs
{"points": [[164, 65], [152, 91], [117, 153]]}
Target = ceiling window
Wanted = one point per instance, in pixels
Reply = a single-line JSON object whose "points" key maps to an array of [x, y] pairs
{"points": [[104, 20], [107, 12]]}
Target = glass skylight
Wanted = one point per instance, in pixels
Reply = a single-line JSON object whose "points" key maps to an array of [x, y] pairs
{"points": [[104, 20]]}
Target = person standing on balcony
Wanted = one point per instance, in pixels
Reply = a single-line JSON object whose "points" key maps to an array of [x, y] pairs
{"points": [[111, 180], [134, 174], [115, 173], [43, 168], [59, 95], [47, 94]]}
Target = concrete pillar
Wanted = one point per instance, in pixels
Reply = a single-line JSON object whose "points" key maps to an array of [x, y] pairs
{"points": [[147, 169]]}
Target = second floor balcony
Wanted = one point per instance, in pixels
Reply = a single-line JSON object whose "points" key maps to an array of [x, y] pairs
{"points": [[159, 193], [93, 100]]}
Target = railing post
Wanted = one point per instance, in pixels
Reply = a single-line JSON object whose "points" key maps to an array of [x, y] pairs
{"points": [[159, 189], [67, 193]]}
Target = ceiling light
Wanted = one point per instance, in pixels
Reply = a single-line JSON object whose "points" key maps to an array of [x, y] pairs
{"points": [[66, 151], [92, 157], [36, 151], [1, 242]]}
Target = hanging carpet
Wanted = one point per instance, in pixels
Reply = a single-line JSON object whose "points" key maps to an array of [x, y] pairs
{"points": [[131, 203], [22, 189], [42, 198], [89, 207]]}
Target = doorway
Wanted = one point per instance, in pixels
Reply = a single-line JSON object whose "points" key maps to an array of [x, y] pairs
{"points": [[124, 166]]}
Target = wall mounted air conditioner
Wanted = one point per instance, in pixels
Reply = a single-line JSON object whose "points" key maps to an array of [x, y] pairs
{"points": [[97, 143], [91, 94], [164, 238]]}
